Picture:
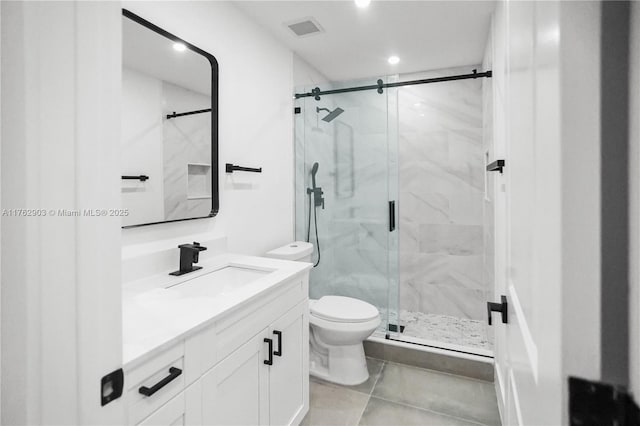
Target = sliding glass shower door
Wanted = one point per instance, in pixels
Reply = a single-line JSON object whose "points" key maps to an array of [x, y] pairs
{"points": [[421, 147], [343, 191], [445, 222]]}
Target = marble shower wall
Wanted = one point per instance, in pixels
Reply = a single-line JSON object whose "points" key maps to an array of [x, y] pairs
{"points": [[441, 193]]}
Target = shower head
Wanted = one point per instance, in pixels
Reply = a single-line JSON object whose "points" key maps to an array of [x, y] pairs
{"points": [[332, 114], [314, 170]]}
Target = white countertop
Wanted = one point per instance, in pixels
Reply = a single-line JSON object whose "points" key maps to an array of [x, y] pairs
{"points": [[155, 315]]}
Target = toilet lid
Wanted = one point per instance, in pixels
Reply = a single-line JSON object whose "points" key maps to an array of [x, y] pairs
{"points": [[343, 309]]}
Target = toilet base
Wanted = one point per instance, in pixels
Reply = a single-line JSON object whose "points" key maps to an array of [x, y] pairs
{"points": [[344, 365]]}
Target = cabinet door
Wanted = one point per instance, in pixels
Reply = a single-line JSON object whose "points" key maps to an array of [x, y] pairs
{"points": [[170, 414], [289, 374], [236, 390]]}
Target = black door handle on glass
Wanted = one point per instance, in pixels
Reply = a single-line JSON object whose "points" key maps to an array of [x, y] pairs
{"points": [[279, 351], [498, 307], [173, 374], [392, 216], [270, 360]]}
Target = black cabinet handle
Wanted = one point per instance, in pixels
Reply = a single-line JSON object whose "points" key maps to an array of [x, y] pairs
{"points": [[173, 374], [498, 307], [279, 351], [270, 360]]}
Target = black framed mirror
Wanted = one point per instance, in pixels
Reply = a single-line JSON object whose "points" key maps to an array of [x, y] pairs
{"points": [[169, 126]]}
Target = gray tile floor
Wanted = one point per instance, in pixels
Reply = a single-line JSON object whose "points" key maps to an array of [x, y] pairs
{"points": [[399, 395]]}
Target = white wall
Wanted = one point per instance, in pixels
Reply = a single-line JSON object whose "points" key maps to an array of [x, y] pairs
{"points": [[304, 74], [256, 122], [634, 198]]}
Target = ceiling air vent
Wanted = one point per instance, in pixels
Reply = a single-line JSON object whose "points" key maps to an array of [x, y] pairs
{"points": [[304, 27]]}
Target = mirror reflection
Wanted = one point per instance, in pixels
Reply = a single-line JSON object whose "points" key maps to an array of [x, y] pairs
{"points": [[166, 128]]}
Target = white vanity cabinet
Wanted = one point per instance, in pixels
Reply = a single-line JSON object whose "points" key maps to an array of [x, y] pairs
{"points": [[236, 391], [265, 381], [249, 366], [289, 374]]}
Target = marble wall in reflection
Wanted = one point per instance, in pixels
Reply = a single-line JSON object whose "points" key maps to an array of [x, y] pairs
{"points": [[186, 154], [441, 181]]}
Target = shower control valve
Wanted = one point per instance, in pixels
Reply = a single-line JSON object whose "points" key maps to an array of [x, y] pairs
{"points": [[318, 199]]}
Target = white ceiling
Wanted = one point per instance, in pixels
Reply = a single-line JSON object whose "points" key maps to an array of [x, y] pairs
{"points": [[356, 43]]}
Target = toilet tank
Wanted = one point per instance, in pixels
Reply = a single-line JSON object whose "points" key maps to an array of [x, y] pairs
{"points": [[298, 250]]}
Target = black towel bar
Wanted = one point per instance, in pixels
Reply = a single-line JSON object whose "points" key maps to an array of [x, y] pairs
{"points": [[141, 178], [230, 168], [497, 165], [182, 114]]}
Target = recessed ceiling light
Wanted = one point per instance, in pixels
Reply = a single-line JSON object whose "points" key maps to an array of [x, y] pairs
{"points": [[362, 3], [180, 47], [393, 60]]}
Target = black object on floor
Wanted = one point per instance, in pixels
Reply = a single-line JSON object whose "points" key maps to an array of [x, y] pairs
{"points": [[394, 328]]}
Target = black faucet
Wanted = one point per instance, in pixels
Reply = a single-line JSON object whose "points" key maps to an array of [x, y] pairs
{"points": [[188, 256]]}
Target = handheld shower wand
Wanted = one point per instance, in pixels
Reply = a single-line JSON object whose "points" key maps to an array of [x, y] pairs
{"points": [[318, 200], [315, 192], [314, 170]]}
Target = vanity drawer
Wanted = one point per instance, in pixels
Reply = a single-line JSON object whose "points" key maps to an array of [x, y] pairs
{"points": [[161, 377]]}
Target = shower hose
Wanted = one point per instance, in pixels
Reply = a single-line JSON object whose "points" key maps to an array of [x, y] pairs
{"points": [[315, 221]]}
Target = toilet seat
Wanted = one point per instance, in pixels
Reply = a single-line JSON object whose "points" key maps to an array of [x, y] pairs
{"points": [[343, 309]]}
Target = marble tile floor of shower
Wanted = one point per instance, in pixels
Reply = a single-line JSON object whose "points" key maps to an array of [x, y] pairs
{"points": [[399, 395], [438, 328], [444, 328]]}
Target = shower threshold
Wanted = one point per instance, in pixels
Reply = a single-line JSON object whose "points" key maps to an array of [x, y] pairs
{"points": [[428, 345], [433, 358]]}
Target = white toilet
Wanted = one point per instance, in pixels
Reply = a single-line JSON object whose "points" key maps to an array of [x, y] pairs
{"points": [[337, 327]]}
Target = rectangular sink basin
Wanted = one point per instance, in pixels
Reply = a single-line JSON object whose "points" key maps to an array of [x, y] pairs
{"points": [[218, 282]]}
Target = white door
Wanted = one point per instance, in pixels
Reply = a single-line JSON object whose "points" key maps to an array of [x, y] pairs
{"points": [[61, 316], [236, 391], [527, 203], [288, 382]]}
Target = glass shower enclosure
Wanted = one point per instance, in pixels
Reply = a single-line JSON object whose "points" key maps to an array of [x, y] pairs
{"points": [[400, 220], [342, 148]]}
